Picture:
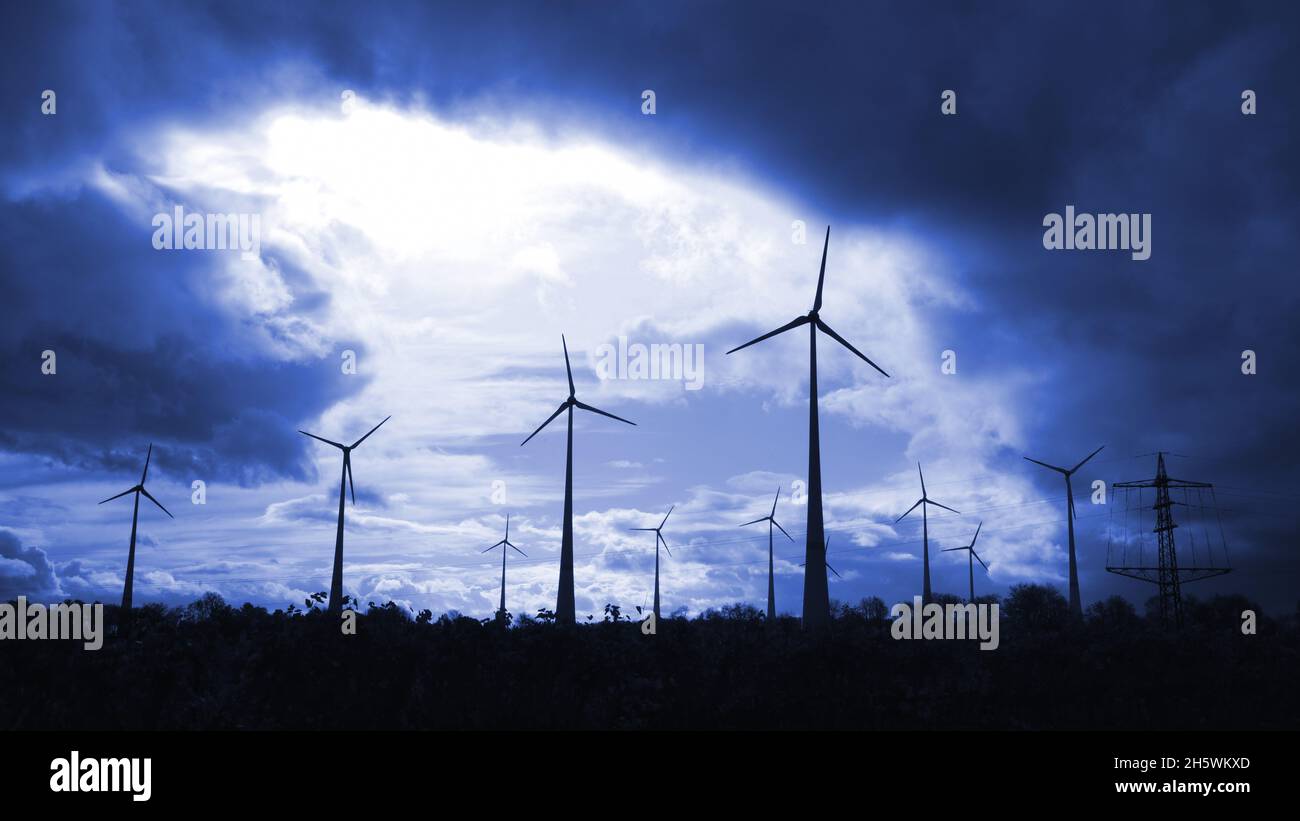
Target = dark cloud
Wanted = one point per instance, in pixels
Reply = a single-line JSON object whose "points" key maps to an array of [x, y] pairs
{"points": [[25, 571], [75, 582], [141, 355], [1122, 106]]}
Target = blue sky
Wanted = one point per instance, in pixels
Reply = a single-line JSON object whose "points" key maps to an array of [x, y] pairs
{"points": [[494, 184]]}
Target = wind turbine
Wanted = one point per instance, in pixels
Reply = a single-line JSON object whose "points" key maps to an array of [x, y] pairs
{"points": [[771, 583], [1076, 606], [925, 531], [970, 549], [503, 544], [336, 581], [816, 595], [135, 516], [826, 549], [659, 537], [564, 607]]}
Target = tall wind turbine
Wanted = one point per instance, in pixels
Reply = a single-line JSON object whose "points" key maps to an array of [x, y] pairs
{"points": [[135, 516], [503, 544], [659, 539], [816, 595], [564, 606], [1076, 606], [925, 531], [970, 549], [336, 582], [771, 582]]}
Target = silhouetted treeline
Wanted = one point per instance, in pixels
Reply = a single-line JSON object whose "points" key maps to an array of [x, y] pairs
{"points": [[210, 666]]}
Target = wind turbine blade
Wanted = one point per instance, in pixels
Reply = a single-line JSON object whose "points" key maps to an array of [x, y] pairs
{"points": [[323, 439], [517, 550], [1044, 464], [975, 538], [775, 499], [665, 543], [909, 510], [644, 528], [493, 547], [567, 369], [1085, 461], [587, 407], [782, 529], [746, 524], [922, 475], [829, 331], [155, 501], [978, 559], [666, 515], [372, 430], [132, 490], [794, 323], [507, 538], [147, 457], [833, 570], [821, 275], [951, 549], [945, 507], [549, 420], [347, 465]]}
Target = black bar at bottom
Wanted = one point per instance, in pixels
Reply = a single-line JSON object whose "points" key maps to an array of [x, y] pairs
{"points": [[310, 771]]}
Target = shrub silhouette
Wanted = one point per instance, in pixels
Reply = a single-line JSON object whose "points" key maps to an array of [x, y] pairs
{"points": [[1113, 615], [1222, 610], [208, 607], [874, 609], [1036, 608]]}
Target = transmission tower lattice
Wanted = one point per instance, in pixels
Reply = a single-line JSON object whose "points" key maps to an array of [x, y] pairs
{"points": [[1131, 554]]}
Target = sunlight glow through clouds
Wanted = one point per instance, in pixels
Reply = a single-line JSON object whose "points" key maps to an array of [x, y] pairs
{"points": [[452, 258]]}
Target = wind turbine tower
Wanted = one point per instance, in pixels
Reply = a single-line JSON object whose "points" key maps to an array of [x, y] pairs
{"points": [[816, 594], [771, 579], [659, 539], [1076, 605], [345, 483], [139, 491], [564, 604], [923, 502], [971, 557], [503, 544]]}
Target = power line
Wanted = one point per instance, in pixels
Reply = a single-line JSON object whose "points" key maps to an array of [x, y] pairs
{"points": [[689, 546]]}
